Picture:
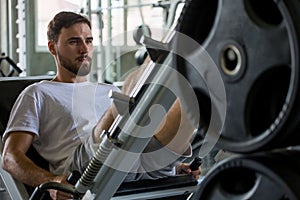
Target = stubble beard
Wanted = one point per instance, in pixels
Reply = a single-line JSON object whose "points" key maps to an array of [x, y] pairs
{"points": [[83, 70]]}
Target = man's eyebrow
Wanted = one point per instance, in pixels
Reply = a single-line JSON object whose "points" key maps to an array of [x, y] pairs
{"points": [[79, 38]]}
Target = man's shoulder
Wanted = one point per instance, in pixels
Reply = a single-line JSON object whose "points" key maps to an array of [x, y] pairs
{"points": [[32, 87], [108, 86], [37, 86]]}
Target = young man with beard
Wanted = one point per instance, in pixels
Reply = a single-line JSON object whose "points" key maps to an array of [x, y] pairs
{"points": [[58, 116]]}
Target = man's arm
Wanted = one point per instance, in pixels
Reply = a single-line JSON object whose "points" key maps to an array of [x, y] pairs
{"points": [[111, 113], [103, 124], [19, 165]]}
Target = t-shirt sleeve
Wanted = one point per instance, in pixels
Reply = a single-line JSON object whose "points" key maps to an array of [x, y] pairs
{"points": [[24, 116]]}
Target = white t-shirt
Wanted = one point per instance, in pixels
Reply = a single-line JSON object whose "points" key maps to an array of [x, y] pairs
{"points": [[61, 115]]}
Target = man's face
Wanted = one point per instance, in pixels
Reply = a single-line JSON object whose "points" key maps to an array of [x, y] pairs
{"points": [[74, 49]]}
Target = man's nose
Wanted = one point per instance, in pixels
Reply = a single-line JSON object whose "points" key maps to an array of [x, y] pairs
{"points": [[84, 47]]}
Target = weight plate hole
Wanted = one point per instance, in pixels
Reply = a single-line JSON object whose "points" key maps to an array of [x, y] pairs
{"points": [[256, 10], [266, 100], [238, 181]]}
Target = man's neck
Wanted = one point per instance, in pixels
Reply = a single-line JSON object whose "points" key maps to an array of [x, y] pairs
{"points": [[69, 79]]}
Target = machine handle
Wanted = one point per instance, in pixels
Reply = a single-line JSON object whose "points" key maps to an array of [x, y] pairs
{"points": [[196, 163]]}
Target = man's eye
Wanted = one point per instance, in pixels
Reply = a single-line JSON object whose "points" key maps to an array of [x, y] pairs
{"points": [[73, 42], [89, 41]]}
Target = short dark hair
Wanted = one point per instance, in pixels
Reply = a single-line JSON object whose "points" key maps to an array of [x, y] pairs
{"points": [[64, 19]]}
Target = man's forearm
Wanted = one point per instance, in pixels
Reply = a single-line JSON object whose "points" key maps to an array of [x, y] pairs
{"points": [[24, 170], [103, 124]]}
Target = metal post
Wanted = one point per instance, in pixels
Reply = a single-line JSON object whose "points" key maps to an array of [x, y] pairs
{"points": [[22, 35], [108, 50]]}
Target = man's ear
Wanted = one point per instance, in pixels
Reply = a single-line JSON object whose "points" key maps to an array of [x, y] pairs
{"points": [[51, 47]]}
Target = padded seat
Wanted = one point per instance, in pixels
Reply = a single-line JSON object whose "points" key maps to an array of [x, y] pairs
{"points": [[10, 88]]}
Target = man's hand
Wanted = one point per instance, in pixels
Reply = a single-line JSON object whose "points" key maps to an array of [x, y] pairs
{"points": [[56, 194], [184, 168]]}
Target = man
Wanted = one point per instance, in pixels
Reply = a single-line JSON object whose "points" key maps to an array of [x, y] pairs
{"points": [[57, 116]]}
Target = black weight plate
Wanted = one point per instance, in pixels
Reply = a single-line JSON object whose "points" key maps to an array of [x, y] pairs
{"points": [[257, 55], [258, 176]]}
